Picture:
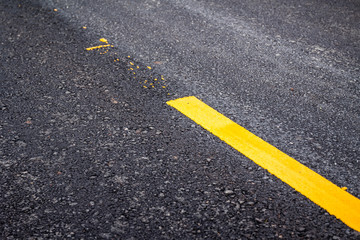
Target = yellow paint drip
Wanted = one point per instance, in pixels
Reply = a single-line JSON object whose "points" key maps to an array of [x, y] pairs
{"points": [[103, 40], [98, 47], [327, 195]]}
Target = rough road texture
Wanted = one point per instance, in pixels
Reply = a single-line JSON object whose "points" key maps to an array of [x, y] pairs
{"points": [[88, 153]]}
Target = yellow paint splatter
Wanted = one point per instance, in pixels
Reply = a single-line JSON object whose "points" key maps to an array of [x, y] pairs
{"points": [[131, 69], [155, 79], [84, 27], [149, 67], [344, 188], [101, 46], [145, 86], [137, 67], [97, 47], [104, 52], [103, 40], [55, 10], [131, 63], [128, 56]]}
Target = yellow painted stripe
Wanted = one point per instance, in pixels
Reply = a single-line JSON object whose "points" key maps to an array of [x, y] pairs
{"points": [[327, 195], [97, 47]]}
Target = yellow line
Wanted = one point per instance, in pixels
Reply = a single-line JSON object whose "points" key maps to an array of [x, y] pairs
{"points": [[96, 47], [318, 189]]}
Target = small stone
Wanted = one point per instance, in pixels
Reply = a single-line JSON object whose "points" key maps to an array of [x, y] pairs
{"points": [[228, 192], [301, 229]]}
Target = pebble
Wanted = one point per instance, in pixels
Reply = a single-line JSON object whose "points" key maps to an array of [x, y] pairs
{"points": [[301, 229], [228, 192]]}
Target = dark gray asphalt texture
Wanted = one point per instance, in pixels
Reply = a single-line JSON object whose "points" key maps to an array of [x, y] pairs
{"points": [[88, 153]]}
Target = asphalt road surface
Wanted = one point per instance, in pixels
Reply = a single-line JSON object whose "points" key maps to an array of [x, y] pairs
{"points": [[90, 149]]}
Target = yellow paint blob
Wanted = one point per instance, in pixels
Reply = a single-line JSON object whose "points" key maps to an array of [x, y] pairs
{"points": [[131, 63], [149, 67], [103, 40]]}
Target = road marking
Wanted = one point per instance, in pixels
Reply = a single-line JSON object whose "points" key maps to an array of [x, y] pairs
{"points": [[318, 189], [97, 47], [100, 46]]}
